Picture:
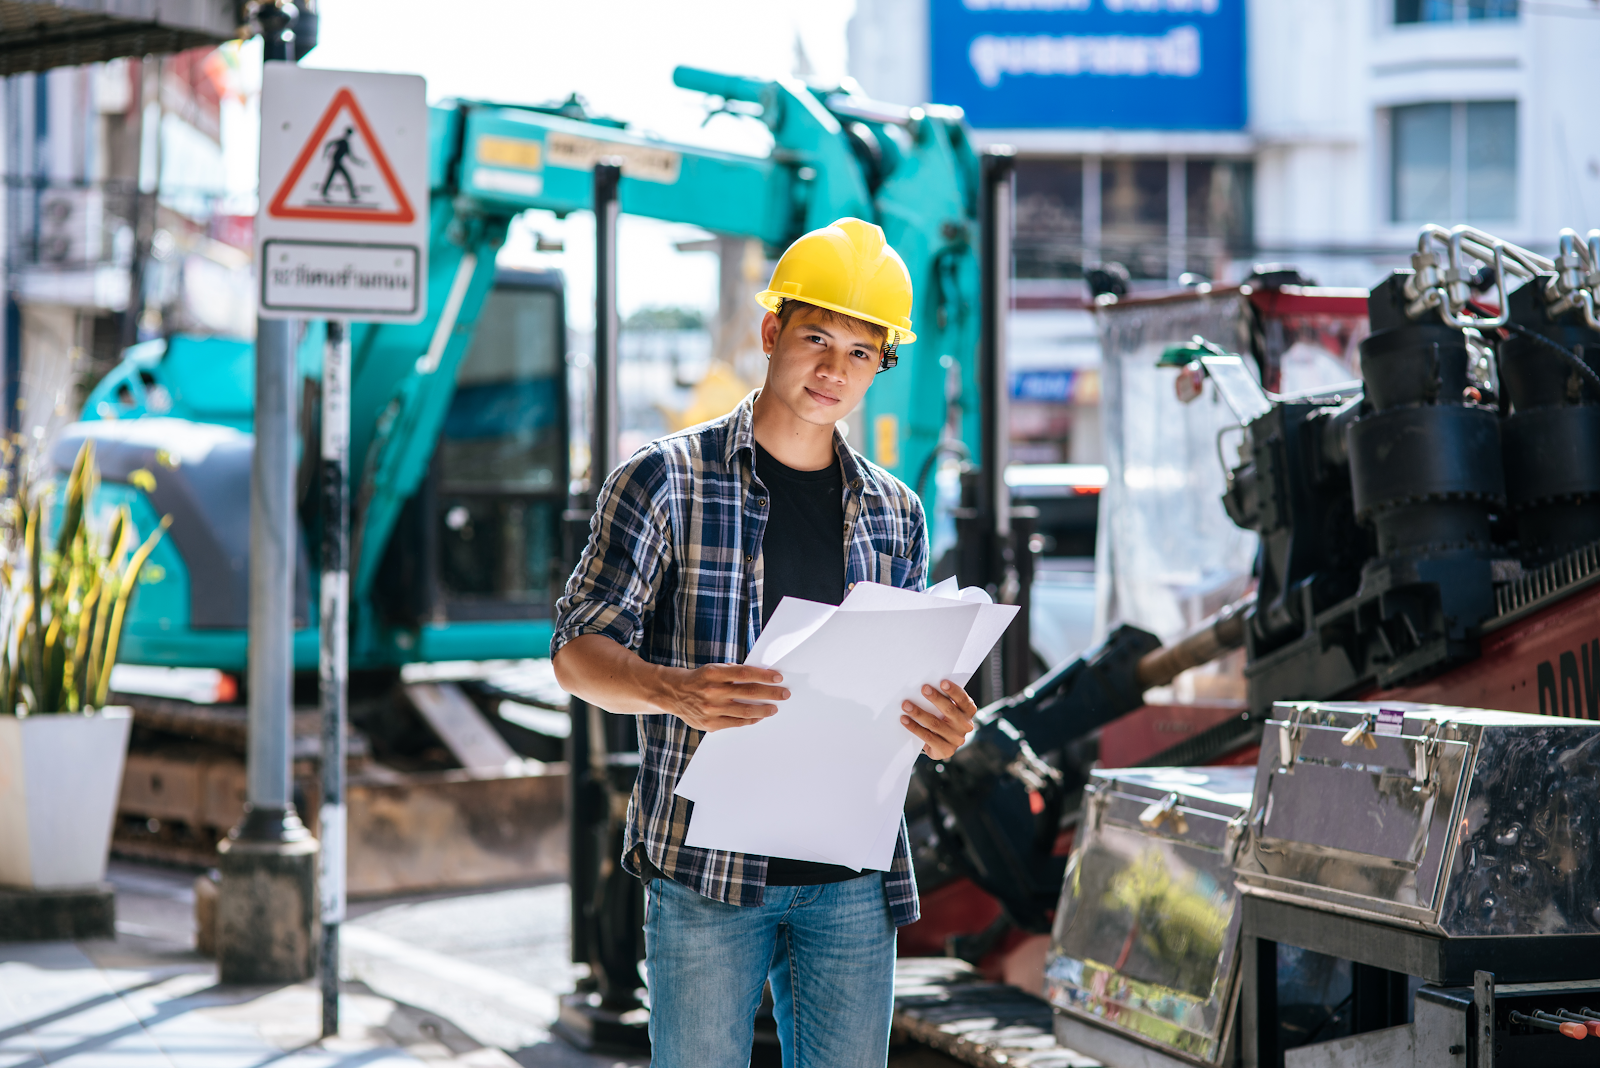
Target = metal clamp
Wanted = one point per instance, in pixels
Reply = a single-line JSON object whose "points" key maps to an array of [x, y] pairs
{"points": [[1165, 810], [1028, 769], [1233, 837], [1095, 800], [1577, 277], [1426, 754], [1360, 734], [1290, 735], [1441, 281]]}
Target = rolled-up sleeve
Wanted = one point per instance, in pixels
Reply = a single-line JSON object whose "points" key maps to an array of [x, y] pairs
{"points": [[613, 589]]}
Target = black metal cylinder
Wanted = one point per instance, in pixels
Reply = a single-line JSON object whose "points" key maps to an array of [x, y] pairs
{"points": [[1420, 363], [1532, 374], [1552, 454], [1426, 456], [1425, 467], [1551, 439]]}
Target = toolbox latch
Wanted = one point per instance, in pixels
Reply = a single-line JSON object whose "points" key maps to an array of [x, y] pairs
{"points": [[1164, 811], [1361, 734]]}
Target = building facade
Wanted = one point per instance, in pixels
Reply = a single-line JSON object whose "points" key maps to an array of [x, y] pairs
{"points": [[114, 224], [1360, 120]]}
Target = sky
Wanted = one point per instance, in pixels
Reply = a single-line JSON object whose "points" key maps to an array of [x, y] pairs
{"points": [[619, 55]]}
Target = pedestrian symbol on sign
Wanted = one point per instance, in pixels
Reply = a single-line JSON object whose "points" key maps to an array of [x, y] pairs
{"points": [[333, 192], [339, 150]]}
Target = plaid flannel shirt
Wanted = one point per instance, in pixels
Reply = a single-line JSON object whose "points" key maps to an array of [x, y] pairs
{"points": [[673, 571]]}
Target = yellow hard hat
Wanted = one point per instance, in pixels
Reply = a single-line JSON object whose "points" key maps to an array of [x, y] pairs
{"points": [[846, 267]]}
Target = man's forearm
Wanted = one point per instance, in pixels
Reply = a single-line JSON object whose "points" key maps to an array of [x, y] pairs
{"points": [[596, 669]]}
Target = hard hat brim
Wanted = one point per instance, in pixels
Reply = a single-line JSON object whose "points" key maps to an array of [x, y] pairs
{"points": [[898, 335]]}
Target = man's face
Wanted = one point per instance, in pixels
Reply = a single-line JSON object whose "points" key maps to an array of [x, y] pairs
{"points": [[821, 366]]}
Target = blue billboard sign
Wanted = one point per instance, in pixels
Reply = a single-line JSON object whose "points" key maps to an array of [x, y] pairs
{"points": [[1091, 64]]}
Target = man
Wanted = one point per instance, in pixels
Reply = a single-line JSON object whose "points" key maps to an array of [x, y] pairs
{"points": [[695, 540]]}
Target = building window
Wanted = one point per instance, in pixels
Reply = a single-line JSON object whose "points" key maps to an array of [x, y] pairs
{"points": [[1218, 225], [1133, 215], [1158, 217], [1455, 161], [1049, 219], [1407, 11]]}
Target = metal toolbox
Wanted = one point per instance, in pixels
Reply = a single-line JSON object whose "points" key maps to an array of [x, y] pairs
{"points": [[1453, 822], [1143, 958]]}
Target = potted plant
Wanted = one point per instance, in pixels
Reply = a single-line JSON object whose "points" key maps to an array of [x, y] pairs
{"points": [[62, 604]]}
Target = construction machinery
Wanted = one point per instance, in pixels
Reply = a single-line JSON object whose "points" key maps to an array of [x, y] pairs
{"points": [[1422, 531], [1429, 534], [1423, 539], [992, 828]]}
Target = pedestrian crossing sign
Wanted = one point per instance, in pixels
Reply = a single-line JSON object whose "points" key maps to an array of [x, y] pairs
{"points": [[342, 173], [342, 226]]}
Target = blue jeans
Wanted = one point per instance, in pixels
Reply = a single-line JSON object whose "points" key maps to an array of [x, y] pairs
{"points": [[828, 950]]}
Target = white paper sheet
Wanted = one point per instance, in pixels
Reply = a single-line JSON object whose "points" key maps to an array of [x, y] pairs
{"points": [[990, 625], [825, 779], [792, 622], [821, 773], [881, 856]]}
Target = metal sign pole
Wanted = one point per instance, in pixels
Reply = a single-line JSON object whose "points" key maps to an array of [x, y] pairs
{"points": [[270, 814], [994, 497], [607, 909], [333, 662], [607, 209], [268, 861]]}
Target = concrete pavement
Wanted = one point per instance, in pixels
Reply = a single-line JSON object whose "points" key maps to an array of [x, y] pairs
{"points": [[101, 1004], [147, 1000], [468, 980]]}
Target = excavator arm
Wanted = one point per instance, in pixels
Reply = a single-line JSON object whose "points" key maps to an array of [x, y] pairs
{"points": [[912, 171], [833, 155]]}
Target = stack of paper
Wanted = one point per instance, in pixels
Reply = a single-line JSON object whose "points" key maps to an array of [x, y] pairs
{"points": [[825, 779]]}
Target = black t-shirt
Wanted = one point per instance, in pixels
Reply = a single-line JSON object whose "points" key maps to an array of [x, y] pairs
{"points": [[802, 556]]}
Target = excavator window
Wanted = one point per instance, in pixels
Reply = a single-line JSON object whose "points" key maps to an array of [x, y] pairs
{"points": [[502, 461]]}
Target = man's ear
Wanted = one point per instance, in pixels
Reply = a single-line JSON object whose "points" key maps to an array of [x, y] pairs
{"points": [[771, 327]]}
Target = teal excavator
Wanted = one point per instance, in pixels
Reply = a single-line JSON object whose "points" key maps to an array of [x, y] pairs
{"points": [[458, 423]]}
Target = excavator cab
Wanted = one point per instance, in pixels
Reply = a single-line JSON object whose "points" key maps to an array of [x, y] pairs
{"points": [[480, 540]]}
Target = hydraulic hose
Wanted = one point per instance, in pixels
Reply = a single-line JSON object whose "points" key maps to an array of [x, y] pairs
{"points": [[1214, 636], [984, 798]]}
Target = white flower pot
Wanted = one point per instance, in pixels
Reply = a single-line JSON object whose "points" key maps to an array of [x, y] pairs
{"points": [[60, 776]]}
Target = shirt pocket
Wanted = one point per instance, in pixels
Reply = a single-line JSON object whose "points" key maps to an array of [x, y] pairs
{"points": [[893, 570]]}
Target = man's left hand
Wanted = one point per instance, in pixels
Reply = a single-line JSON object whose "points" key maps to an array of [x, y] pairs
{"points": [[944, 729]]}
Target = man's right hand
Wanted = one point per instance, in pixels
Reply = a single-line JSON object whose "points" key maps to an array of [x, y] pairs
{"points": [[720, 695]]}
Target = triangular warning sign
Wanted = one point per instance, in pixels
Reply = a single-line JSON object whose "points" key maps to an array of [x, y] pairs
{"points": [[333, 178]]}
